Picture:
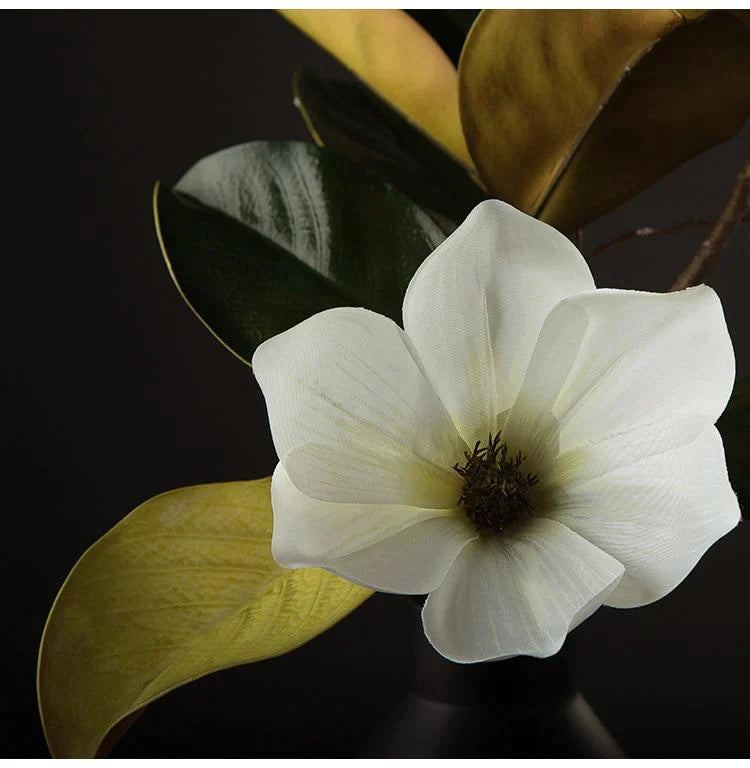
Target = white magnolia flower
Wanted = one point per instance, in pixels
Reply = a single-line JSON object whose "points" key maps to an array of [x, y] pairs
{"points": [[610, 397]]}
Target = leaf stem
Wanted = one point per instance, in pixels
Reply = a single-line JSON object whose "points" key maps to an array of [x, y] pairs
{"points": [[709, 250]]}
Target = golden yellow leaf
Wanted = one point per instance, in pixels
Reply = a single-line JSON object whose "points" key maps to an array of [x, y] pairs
{"points": [[569, 113], [389, 51], [183, 586]]}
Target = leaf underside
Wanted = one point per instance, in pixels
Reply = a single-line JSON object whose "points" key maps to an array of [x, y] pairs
{"points": [[183, 586], [567, 114], [391, 52]]}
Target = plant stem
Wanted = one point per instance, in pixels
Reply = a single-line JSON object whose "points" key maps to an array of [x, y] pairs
{"points": [[579, 239], [711, 247], [643, 232]]}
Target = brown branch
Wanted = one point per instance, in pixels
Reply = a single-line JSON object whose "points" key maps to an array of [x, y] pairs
{"points": [[579, 239], [644, 232], [734, 210]]}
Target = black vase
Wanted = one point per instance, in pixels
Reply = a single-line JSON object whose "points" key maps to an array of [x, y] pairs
{"points": [[521, 707]]}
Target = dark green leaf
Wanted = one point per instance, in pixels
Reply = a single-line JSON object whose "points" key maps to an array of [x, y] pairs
{"points": [[261, 236], [734, 426], [349, 118]]}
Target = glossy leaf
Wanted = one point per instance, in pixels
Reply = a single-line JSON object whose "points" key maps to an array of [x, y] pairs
{"points": [[183, 586], [390, 52], [350, 119], [734, 426], [263, 235], [569, 113]]}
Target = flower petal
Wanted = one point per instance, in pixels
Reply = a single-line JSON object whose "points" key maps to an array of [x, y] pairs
{"points": [[595, 458], [609, 361], [353, 416], [657, 516], [518, 594], [475, 306], [385, 547]]}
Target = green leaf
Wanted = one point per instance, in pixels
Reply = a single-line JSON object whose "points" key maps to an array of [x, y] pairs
{"points": [[350, 119], [567, 114], [183, 586], [263, 235], [390, 52], [734, 426]]}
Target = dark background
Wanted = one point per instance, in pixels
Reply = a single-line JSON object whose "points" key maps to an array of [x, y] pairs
{"points": [[115, 392]]}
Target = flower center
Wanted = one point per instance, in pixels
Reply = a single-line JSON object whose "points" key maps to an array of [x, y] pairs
{"points": [[496, 492]]}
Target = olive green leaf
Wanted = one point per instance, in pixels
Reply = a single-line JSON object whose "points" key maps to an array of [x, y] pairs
{"points": [[183, 586], [261, 236], [569, 113], [390, 52], [734, 426], [350, 119]]}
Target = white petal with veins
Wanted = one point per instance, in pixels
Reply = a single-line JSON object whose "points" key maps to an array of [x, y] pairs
{"points": [[475, 306], [386, 547], [608, 361], [353, 416], [519, 593], [657, 516]]}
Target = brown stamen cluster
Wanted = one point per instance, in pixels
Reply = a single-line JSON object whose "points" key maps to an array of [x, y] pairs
{"points": [[496, 493]]}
